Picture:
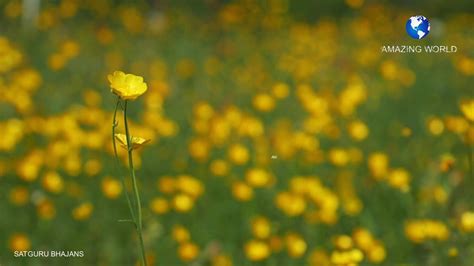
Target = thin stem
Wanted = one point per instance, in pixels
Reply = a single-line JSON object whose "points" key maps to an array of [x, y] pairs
{"points": [[135, 186], [114, 125]]}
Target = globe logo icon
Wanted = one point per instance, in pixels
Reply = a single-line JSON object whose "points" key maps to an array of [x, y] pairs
{"points": [[418, 27]]}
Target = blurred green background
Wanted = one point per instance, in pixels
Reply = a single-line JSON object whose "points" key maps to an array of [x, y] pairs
{"points": [[280, 133]]}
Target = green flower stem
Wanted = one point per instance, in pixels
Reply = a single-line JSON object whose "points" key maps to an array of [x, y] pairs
{"points": [[135, 186], [117, 164]]}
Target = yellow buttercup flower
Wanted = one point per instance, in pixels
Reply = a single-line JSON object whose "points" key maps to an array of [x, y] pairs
{"points": [[467, 108], [19, 242], [83, 211], [137, 142], [127, 86], [296, 245], [257, 250], [188, 251]]}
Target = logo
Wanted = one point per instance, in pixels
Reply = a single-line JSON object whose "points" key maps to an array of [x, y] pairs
{"points": [[418, 27]]}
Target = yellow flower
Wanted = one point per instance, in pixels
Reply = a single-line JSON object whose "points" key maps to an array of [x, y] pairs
{"points": [[159, 205], [319, 257], [256, 250], [241, 191], [377, 254], [339, 157], [183, 202], [137, 142], [257, 177], [199, 149], [52, 182], [358, 130], [467, 108], [343, 242], [261, 227], [291, 204], [238, 154], [467, 221], [189, 185], [111, 187], [19, 195], [166, 185], [221, 260], [280, 90], [263, 102], [219, 167], [435, 126], [83, 211], [378, 165], [46, 209], [180, 234], [19, 242], [399, 178], [188, 251], [127, 86], [363, 239], [296, 245]]}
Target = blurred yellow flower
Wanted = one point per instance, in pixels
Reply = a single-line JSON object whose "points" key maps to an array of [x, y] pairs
{"points": [[263, 102], [183, 202], [435, 126], [291, 204], [238, 154], [83, 211], [221, 260], [467, 108], [456, 124], [199, 149], [203, 110], [127, 86], [358, 130], [189, 185], [346, 257], [52, 182], [92, 167], [378, 165], [19, 195], [166, 185], [338, 156], [257, 177], [261, 227], [280, 90], [453, 252], [319, 257], [70, 49], [295, 244], [136, 142], [46, 209], [180, 234], [19, 242], [188, 251], [159, 205], [241, 191], [256, 250], [377, 254], [111, 187], [419, 231], [399, 178], [219, 167], [467, 222], [343, 242], [57, 61]]}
